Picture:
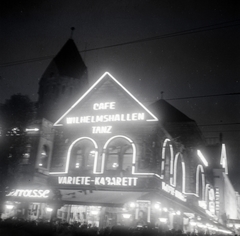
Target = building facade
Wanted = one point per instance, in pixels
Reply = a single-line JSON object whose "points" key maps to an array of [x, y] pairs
{"points": [[99, 156]]}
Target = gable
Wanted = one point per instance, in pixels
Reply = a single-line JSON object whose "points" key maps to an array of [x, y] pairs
{"points": [[106, 101]]}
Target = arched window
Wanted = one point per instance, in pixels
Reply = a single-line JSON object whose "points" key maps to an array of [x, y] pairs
{"points": [[179, 172], [200, 182], [119, 156], [82, 155], [44, 156], [167, 160]]}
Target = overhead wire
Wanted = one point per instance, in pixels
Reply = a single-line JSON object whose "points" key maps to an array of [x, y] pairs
{"points": [[169, 35]]}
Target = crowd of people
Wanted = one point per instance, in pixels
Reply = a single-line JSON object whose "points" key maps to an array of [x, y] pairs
{"points": [[41, 228]]}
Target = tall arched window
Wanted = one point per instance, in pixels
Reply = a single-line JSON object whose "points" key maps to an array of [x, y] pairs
{"points": [[82, 155], [167, 160], [118, 156], [179, 172], [200, 182]]}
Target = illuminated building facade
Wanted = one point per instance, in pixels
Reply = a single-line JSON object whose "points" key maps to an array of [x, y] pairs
{"points": [[108, 159]]}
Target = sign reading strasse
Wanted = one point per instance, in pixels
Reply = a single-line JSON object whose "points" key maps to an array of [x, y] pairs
{"points": [[34, 193], [114, 181]]}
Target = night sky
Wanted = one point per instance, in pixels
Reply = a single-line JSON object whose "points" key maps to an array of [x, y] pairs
{"points": [[190, 50]]}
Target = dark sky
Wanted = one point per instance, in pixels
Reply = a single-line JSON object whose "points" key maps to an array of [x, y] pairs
{"points": [[195, 53]]}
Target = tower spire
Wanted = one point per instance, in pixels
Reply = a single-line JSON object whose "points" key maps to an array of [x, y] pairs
{"points": [[162, 94], [72, 30]]}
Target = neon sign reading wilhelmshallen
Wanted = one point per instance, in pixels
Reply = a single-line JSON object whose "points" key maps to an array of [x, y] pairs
{"points": [[105, 118], [107, 105]]}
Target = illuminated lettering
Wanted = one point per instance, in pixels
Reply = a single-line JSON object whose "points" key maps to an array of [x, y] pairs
{"points": [[114, 181], [101, 129], [106, 118], [27, 193], [171, 190], [104, 106]]}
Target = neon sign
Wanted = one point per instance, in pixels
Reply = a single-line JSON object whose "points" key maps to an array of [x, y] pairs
{"points": [[171, 190], [35, 193], [105, 181], [104, 118], [145, 115]]}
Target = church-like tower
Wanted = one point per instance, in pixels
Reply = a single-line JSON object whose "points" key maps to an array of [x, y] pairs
{"points": [[63, 82]]}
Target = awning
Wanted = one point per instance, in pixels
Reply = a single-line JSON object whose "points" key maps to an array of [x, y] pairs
{"points": [[107, 198]]}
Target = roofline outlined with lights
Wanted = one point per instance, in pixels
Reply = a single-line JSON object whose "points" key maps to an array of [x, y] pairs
{"points": [[154, 118]]}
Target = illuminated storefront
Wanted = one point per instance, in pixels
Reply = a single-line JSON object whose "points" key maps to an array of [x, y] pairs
{"points": [[113, 162]]}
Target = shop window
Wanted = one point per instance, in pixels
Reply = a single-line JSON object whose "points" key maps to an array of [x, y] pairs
{"points": [[119, 156], [82, 155], [44, 156]]}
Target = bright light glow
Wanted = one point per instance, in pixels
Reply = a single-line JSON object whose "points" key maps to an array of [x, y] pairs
{"points": [[115, 165], [165, 209], [32, 130], [157, 206], [126, 215], [193, 223], [154, 118], [9, 207], [202, 158], [40, 164], [178, 213], [94, 212], [163, 220], [132, 204], [49, 209]]}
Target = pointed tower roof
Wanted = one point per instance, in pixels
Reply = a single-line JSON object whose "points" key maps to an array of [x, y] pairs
{"points": [[67, 62], [169, 113], [177, 124]]}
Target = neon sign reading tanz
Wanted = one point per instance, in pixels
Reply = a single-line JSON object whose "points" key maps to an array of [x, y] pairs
{"points": [[105, 118]]}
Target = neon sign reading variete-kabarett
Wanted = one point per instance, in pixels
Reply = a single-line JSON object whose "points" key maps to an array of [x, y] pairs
{"points": [[106, 181]]}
